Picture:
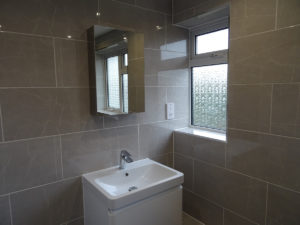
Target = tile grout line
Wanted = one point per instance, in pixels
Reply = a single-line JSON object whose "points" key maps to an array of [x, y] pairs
{"points": [[266, 213], [223, 215], [271, 109], [54, 58], [219, 205], [72, 220], [10, 208], [139, 144], [242, 174], [276, 14], [264, 32], [2, 125], [61, 157]]}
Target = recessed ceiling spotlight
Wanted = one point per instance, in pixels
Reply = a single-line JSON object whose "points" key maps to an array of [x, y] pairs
{"points": [[125, 38], [69, 36], [98, 13], [158, 27]]}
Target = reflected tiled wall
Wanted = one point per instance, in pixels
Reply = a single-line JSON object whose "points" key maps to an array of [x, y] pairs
{"points": [[254, 178], [47, 136]]}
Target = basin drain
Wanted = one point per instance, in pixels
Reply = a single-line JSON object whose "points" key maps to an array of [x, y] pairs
{"points": [[132, 188]]}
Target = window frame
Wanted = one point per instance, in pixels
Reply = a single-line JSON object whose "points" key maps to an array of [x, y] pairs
{"points": [[206, 59]]}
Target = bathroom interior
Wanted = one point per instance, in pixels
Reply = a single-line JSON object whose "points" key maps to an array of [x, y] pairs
{"points": [[195, 121]]}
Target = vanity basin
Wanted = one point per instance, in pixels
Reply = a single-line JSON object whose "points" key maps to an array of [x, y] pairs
{"points": [[139, 180]]}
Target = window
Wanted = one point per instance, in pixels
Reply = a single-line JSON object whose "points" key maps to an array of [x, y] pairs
{"points": [[209, 77], [117, 82]]}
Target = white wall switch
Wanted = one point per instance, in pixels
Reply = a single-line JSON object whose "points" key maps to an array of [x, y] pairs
{"points": [[170, 111]]}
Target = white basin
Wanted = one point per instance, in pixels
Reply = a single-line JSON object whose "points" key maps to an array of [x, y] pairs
{"points": [[139, 180]]}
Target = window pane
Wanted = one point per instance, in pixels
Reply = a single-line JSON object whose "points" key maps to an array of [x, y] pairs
{"points": [[211, 42], [125, 92], [113, 82], [209, 96], [125, 59]]}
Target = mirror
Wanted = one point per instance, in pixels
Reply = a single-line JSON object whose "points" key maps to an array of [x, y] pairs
{"points": [[116, 67]]}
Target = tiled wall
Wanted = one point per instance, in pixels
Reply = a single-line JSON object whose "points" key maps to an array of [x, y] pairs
{"points": [[48, 137], [254, 178], [183, 10]]}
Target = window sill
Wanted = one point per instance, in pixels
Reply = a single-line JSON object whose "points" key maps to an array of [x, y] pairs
{"points": [[214, 135]]}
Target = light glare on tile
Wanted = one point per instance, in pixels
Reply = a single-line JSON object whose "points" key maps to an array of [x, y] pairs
{"points": [[98, 14], [69, 36]]}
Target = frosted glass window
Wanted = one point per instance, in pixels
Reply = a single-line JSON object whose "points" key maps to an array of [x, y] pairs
{"points": [[212, 42], [126, 59], [209, 96], [113, 82], [125, 92]]}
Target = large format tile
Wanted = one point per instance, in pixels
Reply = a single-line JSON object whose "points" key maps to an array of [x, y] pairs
{"points": [[288, 13], [233, 219], [155, 139], [5, 218], [164, 6], [208, 150], [158, 61], [52, 204], [266, 58], [120, 120], [272, 158], [180, 97], [155, 99], [43, 112], [201, 209], [186, 166], [285, 110], [249, 107], [71, 63], [26, 61], [52, 17], [24, 164], [236, 192], [251, 16], [283, 207], [94, 150], [177, 77]]}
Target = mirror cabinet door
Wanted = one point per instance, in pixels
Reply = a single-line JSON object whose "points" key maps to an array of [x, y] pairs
{"points": [[116, 66]]}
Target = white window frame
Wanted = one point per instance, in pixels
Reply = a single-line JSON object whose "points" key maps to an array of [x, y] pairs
{"points": [[206, 59]]}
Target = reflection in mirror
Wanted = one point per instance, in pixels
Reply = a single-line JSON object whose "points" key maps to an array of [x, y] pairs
{"points": [[116, 60]]}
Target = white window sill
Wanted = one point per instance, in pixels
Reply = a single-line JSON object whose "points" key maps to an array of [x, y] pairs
{"points": [[214, 135]]}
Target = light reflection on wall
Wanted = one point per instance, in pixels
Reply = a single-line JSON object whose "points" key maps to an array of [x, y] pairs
{"points": [[176, 49]]}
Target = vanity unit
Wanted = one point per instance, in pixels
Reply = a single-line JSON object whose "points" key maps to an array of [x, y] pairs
{"points": [[143, 193]]}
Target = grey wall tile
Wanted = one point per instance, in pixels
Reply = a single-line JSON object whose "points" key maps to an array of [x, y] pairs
{"points": [[158, 61], [288, 13], [201, 209], [164, 6], [236, 192], [185, 165], [272, 158], [42, 112], [208, 150], [132, 2], [79, 221], [121, 120], [251, 16], [24, 164], [155, 99], [265, 58], [1, 126], [180, 97], [168, 78], [5, 216], [52, 204], [233, 219], [285, 113], [53, 17], [71, 63], [34, 57], [166, 159], [94, 150], [155, 139], [283, 207], [249, 107]]}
